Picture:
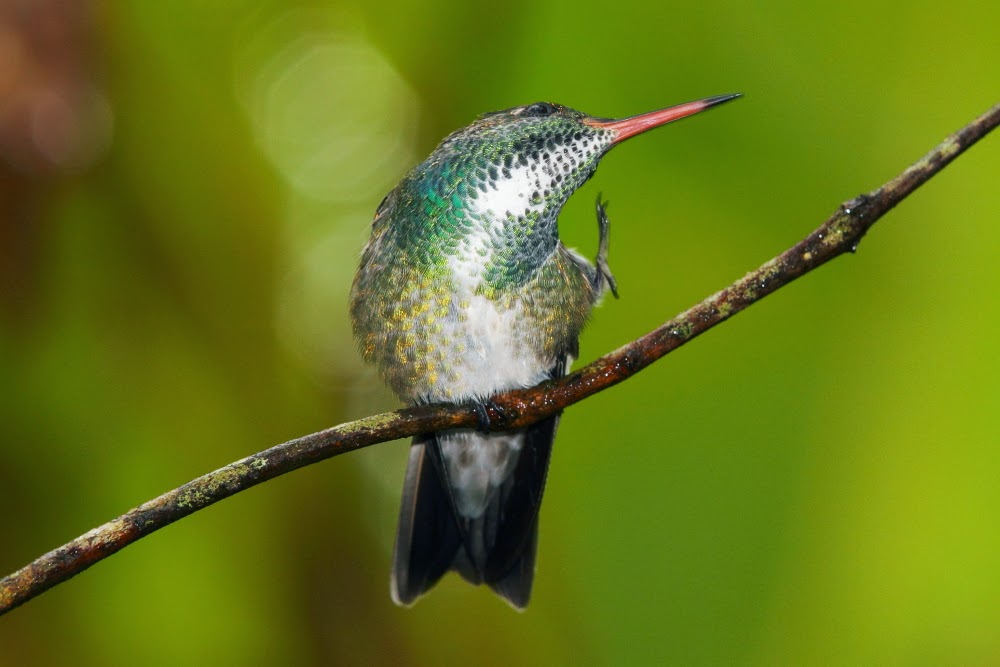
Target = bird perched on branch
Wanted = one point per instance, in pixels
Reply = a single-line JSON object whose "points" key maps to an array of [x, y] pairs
{"points": [[464, 290]]}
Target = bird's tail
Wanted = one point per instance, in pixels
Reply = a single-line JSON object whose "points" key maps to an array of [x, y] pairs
{"points": [[496, 548]]}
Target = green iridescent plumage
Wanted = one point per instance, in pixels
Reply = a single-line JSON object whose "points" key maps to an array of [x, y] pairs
{"points": [[464, 291], [407, 287]]}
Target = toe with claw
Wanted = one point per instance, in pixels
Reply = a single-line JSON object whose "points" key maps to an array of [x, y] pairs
{"points": [[603, 270], [482, 409]]}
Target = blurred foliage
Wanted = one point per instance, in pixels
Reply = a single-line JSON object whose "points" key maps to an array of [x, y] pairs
{"points": [[184, 190]]}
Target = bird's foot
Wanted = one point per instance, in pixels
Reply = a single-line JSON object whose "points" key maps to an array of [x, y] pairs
{"points": [[603, 270], [482, 409]]}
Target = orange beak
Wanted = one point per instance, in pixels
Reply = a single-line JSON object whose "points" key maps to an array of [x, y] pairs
{"points": [[629, 127]]}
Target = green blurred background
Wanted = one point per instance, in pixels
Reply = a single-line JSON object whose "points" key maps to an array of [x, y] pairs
{"points": [[185, 188]]}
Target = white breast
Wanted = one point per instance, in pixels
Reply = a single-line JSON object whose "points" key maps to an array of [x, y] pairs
{"points": [[510, 195]]}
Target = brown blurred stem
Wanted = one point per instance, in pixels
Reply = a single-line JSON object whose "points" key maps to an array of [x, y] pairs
{"points": [[839, 234]]}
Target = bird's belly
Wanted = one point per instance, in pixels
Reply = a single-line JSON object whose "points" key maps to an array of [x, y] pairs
{"points": [[450, 336], [484, 348]]}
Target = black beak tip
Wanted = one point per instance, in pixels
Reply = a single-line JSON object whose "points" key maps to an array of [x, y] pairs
{"points": [[721, 99]]}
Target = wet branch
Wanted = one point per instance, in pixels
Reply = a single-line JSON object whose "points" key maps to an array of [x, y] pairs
{"points": [[839, 234]]}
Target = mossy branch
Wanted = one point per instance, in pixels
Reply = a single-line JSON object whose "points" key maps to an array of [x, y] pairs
{"points": [[839, 234]]}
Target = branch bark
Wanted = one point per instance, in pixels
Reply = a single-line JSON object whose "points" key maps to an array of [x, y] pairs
{"points": [[840, 233]]}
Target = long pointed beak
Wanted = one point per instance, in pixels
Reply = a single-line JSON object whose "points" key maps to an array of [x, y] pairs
{"points": [[629, 127]]}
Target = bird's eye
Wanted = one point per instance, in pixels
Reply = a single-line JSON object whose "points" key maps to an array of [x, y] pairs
{"points": [[539, 109]]}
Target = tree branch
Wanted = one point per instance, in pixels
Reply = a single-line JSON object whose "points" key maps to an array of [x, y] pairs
{"points": [[839, 234]]}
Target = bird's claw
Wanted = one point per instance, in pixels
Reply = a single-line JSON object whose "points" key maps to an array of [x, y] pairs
{"points": [[482, 410], [604, 230]]}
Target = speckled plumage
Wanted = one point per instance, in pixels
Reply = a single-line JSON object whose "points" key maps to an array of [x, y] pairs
{"points": [[464, 270], [463, 291]]}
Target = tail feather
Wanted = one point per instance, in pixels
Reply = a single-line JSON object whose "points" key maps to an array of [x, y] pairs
{"points": [[515, 585], [428, 536], [497, 548]]}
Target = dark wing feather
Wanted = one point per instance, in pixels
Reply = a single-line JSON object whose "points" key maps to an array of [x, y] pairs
{"points": [[510, 567], [427, 537]]}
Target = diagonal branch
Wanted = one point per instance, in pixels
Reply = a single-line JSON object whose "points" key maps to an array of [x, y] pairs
{"points": [[839, 234]]}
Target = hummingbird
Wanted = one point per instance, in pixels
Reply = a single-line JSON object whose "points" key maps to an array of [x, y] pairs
{"points": [[464, 290]]}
